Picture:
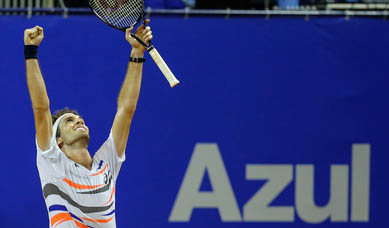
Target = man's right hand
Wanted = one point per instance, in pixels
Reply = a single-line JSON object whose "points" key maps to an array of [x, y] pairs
{"points": [[33, 36]]}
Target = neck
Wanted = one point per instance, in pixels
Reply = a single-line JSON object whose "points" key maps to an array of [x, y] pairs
{"points": [[79, 153]]}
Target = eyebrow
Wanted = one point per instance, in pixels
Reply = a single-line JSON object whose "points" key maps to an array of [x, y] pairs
{"points": [[68, 117]]}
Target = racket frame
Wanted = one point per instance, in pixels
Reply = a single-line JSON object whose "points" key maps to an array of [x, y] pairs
{"points": [[150, 48]]}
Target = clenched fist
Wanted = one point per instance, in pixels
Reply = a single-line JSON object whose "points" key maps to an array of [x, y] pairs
{"points": [[33, 36]]}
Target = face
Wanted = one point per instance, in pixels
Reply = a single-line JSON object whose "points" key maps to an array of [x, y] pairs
{"points": [[72, 128]]}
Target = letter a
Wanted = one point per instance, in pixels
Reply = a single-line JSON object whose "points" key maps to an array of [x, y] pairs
{"points": [[206, 157]]}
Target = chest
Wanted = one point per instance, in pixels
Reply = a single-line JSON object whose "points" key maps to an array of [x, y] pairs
{"points": [[95, 186]]}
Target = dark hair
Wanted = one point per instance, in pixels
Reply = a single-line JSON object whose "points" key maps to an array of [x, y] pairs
{"points": [[58, 114]]}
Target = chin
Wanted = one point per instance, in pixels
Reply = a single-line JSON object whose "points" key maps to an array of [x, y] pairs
{"points": [[83, 137]]}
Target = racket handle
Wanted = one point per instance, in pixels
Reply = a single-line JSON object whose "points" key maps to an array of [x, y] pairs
{"points": [[163, 66]]}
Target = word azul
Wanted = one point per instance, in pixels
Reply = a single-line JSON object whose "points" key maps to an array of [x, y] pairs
{"points": [[207, 158]]}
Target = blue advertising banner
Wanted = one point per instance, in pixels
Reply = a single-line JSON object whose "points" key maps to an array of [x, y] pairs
{"points": [[276, 123]]}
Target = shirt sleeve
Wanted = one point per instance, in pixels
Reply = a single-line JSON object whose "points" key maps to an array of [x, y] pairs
{"points": [[108, 154], [50, 162]]}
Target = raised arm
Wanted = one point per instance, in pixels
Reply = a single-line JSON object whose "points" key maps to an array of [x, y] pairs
{"points": [[129, 93], [37, 88]]}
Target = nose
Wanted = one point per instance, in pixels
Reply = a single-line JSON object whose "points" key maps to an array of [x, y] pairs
{"points": [[79, 121]]}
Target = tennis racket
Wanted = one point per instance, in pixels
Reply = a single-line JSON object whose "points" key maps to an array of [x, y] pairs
{"points": [[123, 14]]}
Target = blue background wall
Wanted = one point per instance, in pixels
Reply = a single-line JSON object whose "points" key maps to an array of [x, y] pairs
{"points": [[283, 91]]}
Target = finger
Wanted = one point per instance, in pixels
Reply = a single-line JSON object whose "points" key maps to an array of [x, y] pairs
{"points": [[149, 38], [28, 31], [140, 28], [40, 29], [147, 35], [26, 34], [33, 32], [36, 29], [146, 30], [128, 31], [143, 25]]}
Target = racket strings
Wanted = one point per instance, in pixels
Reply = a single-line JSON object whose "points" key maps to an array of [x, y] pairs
{"points": [[119, 13]]}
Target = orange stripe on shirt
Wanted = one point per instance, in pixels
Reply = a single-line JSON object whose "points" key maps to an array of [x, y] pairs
{"points": [[80, 224], [110, 198], [80, 186], [98, 220], [60, 218], [101, 171], [64, 220]]}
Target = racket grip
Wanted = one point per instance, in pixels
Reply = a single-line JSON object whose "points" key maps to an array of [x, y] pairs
{"points": [[163, 67]]}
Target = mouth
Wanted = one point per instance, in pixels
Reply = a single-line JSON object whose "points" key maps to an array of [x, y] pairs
{"points": [[81, 128]]}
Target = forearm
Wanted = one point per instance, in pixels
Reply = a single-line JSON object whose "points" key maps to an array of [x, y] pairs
{"points": [[129, 93], [36, 85]]}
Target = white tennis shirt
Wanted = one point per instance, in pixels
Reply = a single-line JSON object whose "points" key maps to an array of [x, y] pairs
{"points": [[74, 195]]}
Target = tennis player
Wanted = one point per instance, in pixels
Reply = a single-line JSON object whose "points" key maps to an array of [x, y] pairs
{"points": [[79, 190]]}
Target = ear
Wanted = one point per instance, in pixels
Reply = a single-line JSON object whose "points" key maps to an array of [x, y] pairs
{"points": [[60, 142]]}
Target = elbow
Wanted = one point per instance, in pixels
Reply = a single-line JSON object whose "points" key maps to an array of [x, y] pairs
{"points": [[42, 105], [128, 109], [127, 104]]}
